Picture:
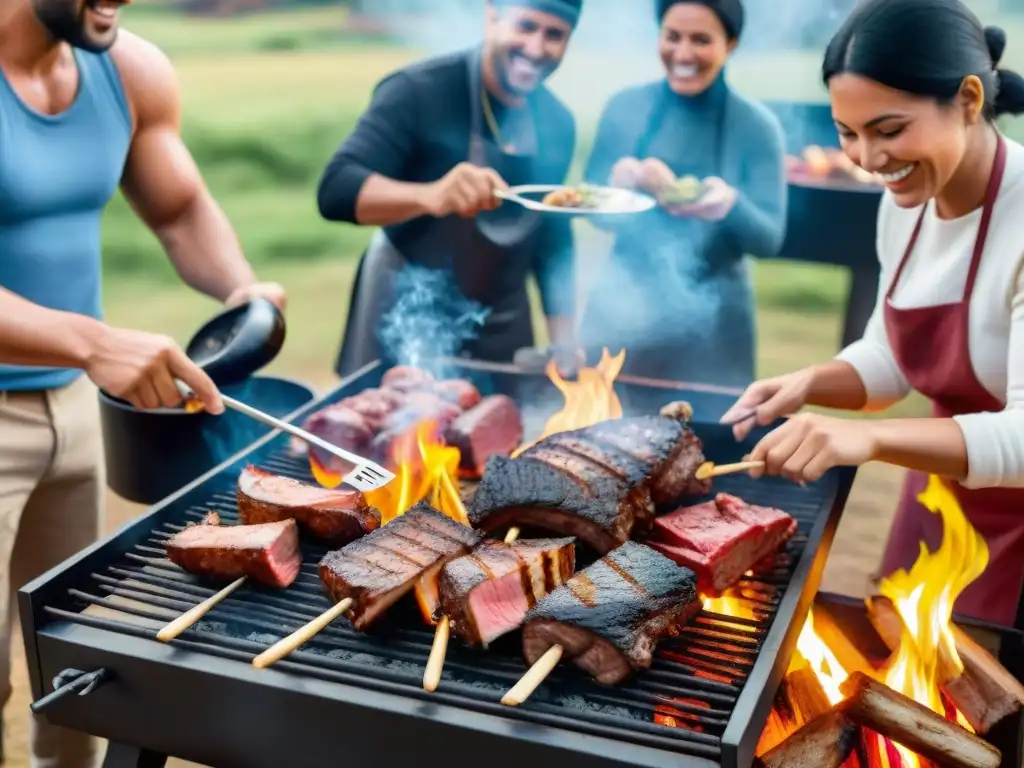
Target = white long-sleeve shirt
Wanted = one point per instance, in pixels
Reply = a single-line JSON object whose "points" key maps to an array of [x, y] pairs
{"points": [[935, 274]]}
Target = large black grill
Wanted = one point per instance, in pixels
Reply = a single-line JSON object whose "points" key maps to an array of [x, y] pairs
{"points": [[703, 702]]}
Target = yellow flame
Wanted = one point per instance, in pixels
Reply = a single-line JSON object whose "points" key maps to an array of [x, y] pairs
{"points": [[924, 598], [588, 400], [821, 659]]}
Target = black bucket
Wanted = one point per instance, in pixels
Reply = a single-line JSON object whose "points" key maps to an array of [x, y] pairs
{"points": [[151, 454]]}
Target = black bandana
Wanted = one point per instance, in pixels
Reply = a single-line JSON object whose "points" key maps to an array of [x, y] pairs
{"points": [[565, 9]]}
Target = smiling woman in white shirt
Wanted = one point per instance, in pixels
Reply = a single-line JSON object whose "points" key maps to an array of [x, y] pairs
{"points": [[915, 87]]}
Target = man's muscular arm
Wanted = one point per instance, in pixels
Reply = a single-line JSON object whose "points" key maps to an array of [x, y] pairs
{"points": [[163, 184]]}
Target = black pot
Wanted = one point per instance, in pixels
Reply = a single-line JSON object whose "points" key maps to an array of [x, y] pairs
{"points": [[151, 454]]}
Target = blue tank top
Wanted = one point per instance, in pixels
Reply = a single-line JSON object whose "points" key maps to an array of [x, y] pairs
{"points": [[57, 174]]}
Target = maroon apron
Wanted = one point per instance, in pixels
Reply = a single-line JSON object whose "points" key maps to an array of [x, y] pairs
{"points": [[931, 347]]}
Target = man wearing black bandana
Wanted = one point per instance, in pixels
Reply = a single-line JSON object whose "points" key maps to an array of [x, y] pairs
{"points": [[423, 163]]}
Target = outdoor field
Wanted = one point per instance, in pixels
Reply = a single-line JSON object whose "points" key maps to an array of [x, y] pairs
{"points": [[268, 97]]}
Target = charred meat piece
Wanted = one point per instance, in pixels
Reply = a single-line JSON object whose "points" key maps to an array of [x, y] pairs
{"points": [[493, 427], [609, 617], [380, 568], [599, 483], [722, 539], [340, 426], [487, 592], [332, 516], [267, 553]]}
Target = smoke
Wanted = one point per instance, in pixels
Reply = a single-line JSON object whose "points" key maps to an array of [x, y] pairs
{"points": [[430, 318]]}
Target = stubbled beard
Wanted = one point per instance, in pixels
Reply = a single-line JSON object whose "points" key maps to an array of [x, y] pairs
{"points": [[67, 24]]}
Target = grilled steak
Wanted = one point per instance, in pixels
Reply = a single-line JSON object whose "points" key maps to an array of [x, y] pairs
{"points": [[609, 617], [599, 483], [380, 568], [492, 427], [267, 553], [722, 539], [334, 517], [487, 592]]}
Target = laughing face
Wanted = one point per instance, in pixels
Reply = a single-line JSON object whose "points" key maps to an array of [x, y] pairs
{"points": [[525, 46], [693, 46], [914, 143], [87, 24]]}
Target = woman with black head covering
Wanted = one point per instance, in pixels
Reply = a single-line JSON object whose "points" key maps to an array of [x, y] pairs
{"points": [[915, 87], [675, 293]]}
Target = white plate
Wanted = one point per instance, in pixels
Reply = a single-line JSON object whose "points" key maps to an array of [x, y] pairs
{"points": [[614, 200]]}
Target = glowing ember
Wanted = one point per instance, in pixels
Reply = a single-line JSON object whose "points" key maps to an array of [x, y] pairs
{"points": [[425, 470], [924, 598], [588, 400]]}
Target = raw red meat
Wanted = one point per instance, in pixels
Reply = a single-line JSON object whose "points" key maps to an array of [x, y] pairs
{"points": [[721, 539], [493, 426]]}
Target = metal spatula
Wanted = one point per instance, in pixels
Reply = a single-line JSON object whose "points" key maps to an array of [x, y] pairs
{"points": [[366, 476]]}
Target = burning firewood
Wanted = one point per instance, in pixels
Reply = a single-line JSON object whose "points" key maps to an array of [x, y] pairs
{"points": [[984, 692], [825, 742], [832, 635], [914, 726], [801, 699]]}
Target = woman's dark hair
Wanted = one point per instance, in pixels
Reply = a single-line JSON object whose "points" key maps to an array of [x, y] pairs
{"points": [[925, 47], [729, 12]]}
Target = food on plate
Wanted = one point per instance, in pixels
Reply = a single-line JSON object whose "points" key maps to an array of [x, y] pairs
{"points": [[486, 593], [722, 539], [492, 427], [824, 163], [582, 196], [684, 190], [267, 553], [600, 483], [383, 566], [609, 617], [332, 516]]}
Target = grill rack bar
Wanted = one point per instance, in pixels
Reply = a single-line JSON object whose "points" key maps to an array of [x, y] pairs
{"points": [[742, 656]]}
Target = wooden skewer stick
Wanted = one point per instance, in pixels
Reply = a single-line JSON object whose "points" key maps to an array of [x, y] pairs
{"points": [[709, 469], [439, 649], [282, 648], [191, 616], [534, 676]]}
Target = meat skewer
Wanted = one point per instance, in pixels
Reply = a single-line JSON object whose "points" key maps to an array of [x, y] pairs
{"points": [[267, 553], [607, 618], [709, 469], [439, 648], [368, 576]]}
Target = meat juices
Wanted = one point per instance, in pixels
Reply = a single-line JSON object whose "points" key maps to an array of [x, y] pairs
{"points": [[722, 539], [332, 516], [380, 568], [493, 427], [267, 553], [609, 617], [599, 483], [486, 593]]}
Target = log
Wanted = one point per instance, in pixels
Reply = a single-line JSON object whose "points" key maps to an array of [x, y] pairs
{"points": [[800, 699], [825, 742], [846, 653], [985, 692], [876, 706]]}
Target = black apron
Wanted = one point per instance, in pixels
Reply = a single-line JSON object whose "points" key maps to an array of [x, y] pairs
{"points": [[452, 243]]}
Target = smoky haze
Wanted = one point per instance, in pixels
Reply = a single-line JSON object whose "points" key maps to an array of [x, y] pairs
{"points": [[615, 47]]}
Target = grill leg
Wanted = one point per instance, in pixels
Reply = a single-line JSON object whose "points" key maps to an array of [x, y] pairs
{"points": [[124, 756]]}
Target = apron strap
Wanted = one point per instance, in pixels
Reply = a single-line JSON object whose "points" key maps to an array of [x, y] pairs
{"points": [[991, 192]]}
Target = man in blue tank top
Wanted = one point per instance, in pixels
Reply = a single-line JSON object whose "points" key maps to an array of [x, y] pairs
{"points": [[84, 110]]}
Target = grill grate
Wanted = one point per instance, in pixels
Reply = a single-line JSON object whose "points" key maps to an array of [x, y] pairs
{"points": [[683, 703]]}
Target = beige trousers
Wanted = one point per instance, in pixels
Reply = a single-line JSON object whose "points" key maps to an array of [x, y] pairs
{"points": [[51, 500]]}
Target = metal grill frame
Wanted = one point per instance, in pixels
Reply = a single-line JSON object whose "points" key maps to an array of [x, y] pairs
{"points": [[154, 682]]}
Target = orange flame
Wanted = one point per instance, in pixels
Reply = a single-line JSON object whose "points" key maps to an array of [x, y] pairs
{"points": [[924, 598], [425, 469], [588, 400]]}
